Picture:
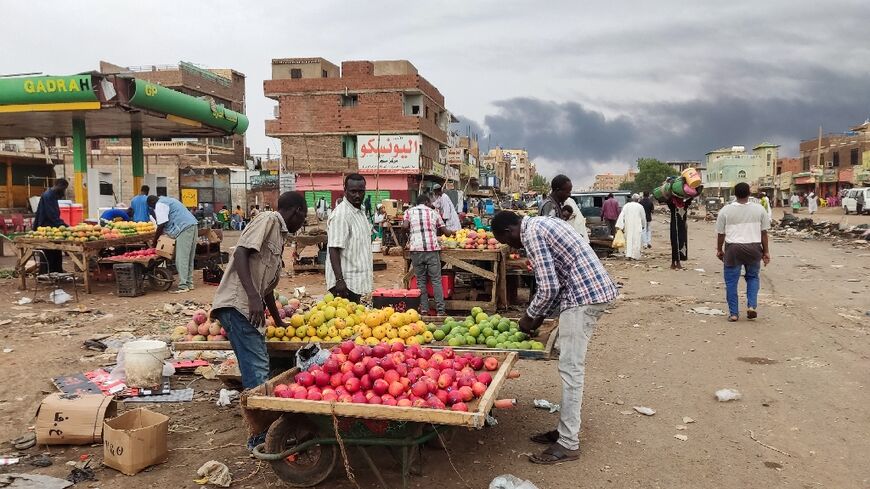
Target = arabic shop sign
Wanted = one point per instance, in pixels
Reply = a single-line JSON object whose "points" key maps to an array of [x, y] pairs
{"points": [[389, 153], [47, 90]]}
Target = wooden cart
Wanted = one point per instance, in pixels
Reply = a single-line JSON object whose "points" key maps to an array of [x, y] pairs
{"points": [[302, 443], [80, 253], [464, 260], [299, 244]]}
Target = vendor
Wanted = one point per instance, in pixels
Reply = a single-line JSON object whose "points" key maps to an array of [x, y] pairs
{"points": [[139, 204], [48, 214], [424, 225], [569, 277], [178, 223], [350, 269], [119, 213], [445, 207]]}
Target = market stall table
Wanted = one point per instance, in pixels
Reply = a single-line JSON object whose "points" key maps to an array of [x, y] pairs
{"points": [[299, 244], [547, 334], [464, 260], [394, 235], [80, 253]]}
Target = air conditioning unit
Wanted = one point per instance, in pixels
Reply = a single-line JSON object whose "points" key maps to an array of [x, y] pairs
{"points": [[829, 164]]}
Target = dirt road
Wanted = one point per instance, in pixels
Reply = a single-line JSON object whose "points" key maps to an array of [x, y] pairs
{"points": [[802, 370]]}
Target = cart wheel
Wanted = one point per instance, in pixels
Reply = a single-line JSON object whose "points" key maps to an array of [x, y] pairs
{"points": [[161, 279], [308, 468]]}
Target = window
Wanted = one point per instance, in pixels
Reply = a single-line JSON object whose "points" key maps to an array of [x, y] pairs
{"points": [[348, 146], [95, 144], [415, 110], [295, 73], [427, 112], [806, 163], [741, 174], [768, 158], [349, 100], [836, 158], [853, 156], [324, 74]]}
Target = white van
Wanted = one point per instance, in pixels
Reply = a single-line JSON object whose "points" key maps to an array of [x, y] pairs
{"points": [[850, 201]]}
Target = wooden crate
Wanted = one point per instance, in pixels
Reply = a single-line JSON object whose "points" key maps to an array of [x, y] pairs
{"points": [[547, 334], [260, 398], [271, 346]]}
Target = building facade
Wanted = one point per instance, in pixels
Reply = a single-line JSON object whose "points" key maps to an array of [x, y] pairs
{"points": [[833, 162], [610, 181], [380, 118], [727, 167]]}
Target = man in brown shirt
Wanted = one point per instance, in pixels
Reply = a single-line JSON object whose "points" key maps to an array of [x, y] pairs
{"points": [[248, 285]]}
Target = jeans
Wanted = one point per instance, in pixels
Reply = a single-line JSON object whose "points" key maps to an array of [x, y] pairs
{"points": [[248, 344], [575, 329], [732, 278], [611, 226], [647, 234], [185, 251], [427, 266]]}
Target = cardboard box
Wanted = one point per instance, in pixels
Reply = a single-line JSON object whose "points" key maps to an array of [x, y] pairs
{"points": [[73, 419], [165, 246], [135, 440]]}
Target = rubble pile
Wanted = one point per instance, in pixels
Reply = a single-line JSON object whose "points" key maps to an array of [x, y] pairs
{"points": [[794, 227]]}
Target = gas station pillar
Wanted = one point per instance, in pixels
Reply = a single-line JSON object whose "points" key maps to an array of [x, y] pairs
{"points": [[138, 161], [80, 162]]}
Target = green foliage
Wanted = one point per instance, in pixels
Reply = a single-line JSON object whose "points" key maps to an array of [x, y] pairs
{"points": [[651, 174], [539, 184]]}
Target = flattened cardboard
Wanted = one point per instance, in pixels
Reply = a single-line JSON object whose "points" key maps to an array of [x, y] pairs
{"points": [[165, 247], [135, 440], [69, 419]]}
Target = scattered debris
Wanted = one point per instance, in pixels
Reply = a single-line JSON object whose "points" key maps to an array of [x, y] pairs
{"points": [[214, 472], [644, 410], [32, 481], [226, 397], [765, 445], [681, 437], [23, 442], [8, 350], [545, 404], [9, 460], [82, 472], [651, 282], [626, 412], [508, 481], [700, 270], [24, 300], [41, 461], [707, 311], [724, 395], [687, 420], [682, 427]]}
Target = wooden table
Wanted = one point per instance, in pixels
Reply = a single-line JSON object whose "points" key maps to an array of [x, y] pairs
{"points": [[393, 236], [299, 243], [79, 253], [461, 259]]}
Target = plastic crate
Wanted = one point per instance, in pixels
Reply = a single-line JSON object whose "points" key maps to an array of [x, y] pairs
{"points": [[399, 299], [129, 278], [448, 284]]}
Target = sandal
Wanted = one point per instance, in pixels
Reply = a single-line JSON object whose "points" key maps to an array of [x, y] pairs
{"points": [[751, 314], [555, 454], [733, 318], [547, 438]]}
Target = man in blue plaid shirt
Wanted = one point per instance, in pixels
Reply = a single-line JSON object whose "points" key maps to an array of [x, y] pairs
{"points": [[570, 277]]}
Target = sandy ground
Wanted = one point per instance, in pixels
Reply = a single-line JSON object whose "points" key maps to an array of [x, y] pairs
{"points": [[802, 369]]}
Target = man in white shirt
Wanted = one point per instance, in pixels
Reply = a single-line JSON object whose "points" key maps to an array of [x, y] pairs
{"points": [[349, 269], [446, 208], [742, 227]]}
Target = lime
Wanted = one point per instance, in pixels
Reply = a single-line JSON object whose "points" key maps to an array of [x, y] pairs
{"points": [[514, 324], [454, 342], [470, 340], [491, 342], [503, 327], [500, 346], [438, 335], [525, 345], [446, 328], [474, 331], [476, 310], [537, 345], [496, 318], [487, 332], [449, 319]]}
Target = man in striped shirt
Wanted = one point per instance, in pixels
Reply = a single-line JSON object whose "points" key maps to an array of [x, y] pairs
{"points": [[570, 277], [424, 225], [349, 270]]}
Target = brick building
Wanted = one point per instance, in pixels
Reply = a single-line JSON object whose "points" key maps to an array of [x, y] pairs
{"points": [[381, 118], [835, 161], [609, 181], [166, 158]]}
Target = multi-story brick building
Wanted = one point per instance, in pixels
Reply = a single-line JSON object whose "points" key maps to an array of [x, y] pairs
{"points": [[609, 181], [381, 118], [835, 161], [165, 159]]}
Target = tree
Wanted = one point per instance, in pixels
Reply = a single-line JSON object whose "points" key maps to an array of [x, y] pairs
{"points": [[651, 173], [539, 184]]}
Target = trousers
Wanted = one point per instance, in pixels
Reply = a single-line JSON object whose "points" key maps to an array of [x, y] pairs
{"points": [[575, 329], [679, 235], [248, 344], [185, 251], [732, 279], [427, 267], [647, 234]]}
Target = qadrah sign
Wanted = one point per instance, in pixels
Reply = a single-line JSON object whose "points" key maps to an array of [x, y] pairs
{"points": [[47, 90]]}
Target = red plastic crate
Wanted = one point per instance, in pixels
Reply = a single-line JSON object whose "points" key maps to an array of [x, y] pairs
{"points": [[448, 284]]}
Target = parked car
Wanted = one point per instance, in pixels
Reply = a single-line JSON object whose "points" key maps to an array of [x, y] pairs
{"points": [[590, 203], [850, 201]]}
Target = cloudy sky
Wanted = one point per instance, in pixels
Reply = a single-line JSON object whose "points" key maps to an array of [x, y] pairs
{"points": [[586, 87]]}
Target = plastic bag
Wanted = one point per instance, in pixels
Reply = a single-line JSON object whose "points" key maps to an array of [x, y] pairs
{"points": [[618, 240], [311, 355], [508, 481], [59, 296]]}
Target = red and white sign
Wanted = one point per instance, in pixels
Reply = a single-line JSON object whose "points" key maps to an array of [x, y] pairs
{"points": [[389, 153]]}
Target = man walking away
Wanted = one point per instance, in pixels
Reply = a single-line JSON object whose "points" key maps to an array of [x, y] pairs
{"points": [[859, 202], [48, 214], [349, 269], [610, 213], [648, 207], [571, 278], [765, 202], [424, 225], [445, 206], [679, 234], [632, 222], [139, 204], [178, 223], [812, 203], [741, 228]]}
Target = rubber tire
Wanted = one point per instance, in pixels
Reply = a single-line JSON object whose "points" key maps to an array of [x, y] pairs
{"points": [[319, 461], [162, 279]]}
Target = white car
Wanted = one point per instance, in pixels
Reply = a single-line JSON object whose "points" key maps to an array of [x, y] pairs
{"points": [[850, 200]]}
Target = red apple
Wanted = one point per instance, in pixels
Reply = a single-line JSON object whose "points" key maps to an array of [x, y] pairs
{"points": [[420, 403], [435, 403], [396, 389], [380, 350], [300, 394], [397, 347], [387, 363], [380, 386], [484, 378], [359, 398], [419, 389], [305, 379], [345, 398], [454, 396], [467, 393], [365, 382], [389, 401], [402, 370], [375, 400], [352, 385], [466, 380], [331, 366], [347, 375], [347, 346], [403, 402], [346, 367], [376, 372], [476, 363], [335, 380], [427, 353], [478, 388], [391, 376], [447, 352], [490, 363], [314, 396], [460, 406], [331, 397], [321, 378], [442, 395], [359, 369], [355, 355]]}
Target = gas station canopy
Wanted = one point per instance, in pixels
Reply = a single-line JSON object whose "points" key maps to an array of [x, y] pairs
{"points": [[109, 106]]}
